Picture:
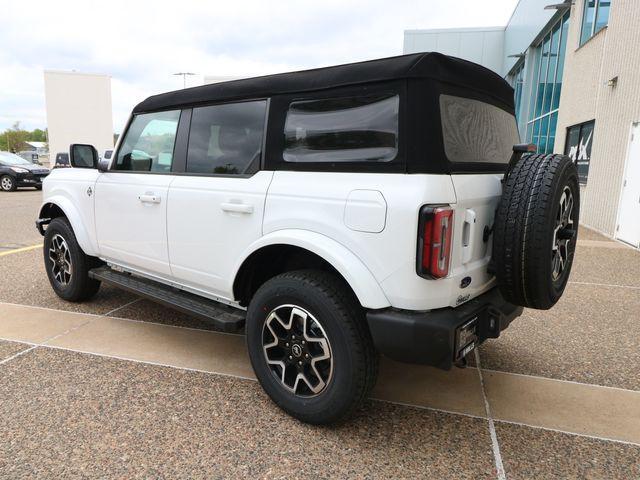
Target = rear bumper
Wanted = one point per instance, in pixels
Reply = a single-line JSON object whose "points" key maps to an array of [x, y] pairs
{"points": [[444, 336]]}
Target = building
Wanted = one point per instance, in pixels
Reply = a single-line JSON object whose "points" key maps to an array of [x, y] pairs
{"points": [[78, 110], [575, 69], [39, 148]]}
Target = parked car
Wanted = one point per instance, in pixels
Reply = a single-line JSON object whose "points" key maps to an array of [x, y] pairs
{"points": [[17, 172], [383, 207], [62, 160]]}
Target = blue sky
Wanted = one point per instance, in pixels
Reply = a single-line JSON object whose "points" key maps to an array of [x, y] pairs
{"points": [[140, 43]]}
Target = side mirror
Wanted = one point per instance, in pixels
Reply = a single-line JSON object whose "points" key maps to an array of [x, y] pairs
{"points": [[83, 156], [103, 165]]}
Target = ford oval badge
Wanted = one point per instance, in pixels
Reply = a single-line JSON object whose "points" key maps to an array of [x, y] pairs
{"points": [[465, 282]]}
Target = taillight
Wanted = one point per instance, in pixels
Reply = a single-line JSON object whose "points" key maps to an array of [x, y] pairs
{"points": [[435, 227]]}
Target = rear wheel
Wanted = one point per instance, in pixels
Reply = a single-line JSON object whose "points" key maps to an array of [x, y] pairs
{"points": [[8, 183], [536, 229], [309, 346], [66, 264]]}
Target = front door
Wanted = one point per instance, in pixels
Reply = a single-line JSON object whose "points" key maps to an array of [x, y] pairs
{"points": [[629, 217], [216, 207], [131, 198]]}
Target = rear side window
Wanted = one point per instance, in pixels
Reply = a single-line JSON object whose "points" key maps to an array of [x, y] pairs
{"points": [[148, 145], [352, 129], [476, 132], [226, 139]]}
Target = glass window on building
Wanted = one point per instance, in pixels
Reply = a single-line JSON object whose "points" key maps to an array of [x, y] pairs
{"points": [[594, 18], [547, 84]]}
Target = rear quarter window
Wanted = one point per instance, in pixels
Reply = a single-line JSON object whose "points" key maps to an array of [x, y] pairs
{"points": [[475, 131], [339, 130]]}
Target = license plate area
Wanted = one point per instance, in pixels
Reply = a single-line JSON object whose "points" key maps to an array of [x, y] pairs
{"points": [[466, 338]]}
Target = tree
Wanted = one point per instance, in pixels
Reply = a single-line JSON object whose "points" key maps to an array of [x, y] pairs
{"points": [[15, 138]]}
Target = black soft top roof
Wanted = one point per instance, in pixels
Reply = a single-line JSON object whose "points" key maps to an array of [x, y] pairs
{"points": [[430, 65]]}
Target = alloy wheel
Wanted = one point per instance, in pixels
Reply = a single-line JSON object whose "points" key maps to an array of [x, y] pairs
{"points": [[563, 233], [6, 183], [297, 350], [60, 257]]}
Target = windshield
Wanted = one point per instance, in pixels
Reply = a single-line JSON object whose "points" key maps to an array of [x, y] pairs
{"points": [[7, 158]]}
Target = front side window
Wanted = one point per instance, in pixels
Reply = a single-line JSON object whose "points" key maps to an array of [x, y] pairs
{"points": [[351, 129], [226, 139], [148, 145], [475, 131], [594, 18]]}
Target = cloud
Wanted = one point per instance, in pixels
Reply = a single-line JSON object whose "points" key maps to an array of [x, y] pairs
{"points": [[141, 43]]}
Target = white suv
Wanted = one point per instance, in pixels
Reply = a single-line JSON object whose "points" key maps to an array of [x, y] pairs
{"points": [[335, 214]]}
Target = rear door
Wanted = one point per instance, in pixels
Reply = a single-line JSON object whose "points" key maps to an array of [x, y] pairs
{"points": [[216, 206], [131, 198]]}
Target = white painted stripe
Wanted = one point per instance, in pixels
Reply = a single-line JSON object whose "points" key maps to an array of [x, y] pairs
{"points": [[43, 344], [16, 355], [492, 428], [121, 307], [558, 380], [613, 285]]}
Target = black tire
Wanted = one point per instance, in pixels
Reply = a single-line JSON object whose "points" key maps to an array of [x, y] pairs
{"points": [[38, 187], [76, 286], [533, 248], [8, 183], [354, 361]]}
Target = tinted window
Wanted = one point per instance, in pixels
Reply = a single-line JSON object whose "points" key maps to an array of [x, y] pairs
{"points": [[354, 129], [475, 131], [226, 139], [148, 145]]}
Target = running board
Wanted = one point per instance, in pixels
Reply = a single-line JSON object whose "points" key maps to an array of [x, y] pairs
{"points": [[225, 318]]}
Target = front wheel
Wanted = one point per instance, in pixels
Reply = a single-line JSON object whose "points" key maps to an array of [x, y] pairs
{"points": [[66, 264], [310, 347], [8, 183]]}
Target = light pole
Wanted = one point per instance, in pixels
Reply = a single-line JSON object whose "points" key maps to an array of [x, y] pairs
{"points": [[184, 77]]}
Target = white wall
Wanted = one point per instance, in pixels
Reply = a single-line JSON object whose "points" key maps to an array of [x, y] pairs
{"points": [[480, 45], [612, 52], [78, 110]]}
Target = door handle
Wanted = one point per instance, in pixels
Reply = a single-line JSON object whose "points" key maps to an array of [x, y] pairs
{"points": [[149, 198], [468, 229], [237, 207]]}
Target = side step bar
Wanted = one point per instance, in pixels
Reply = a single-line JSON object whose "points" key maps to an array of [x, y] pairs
{"points": [[227, 319]]}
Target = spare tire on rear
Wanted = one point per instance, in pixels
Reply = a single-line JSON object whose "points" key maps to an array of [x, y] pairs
{"points": [[536, 229]]}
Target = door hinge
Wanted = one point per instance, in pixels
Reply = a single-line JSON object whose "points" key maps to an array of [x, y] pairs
{"points": [[618, 228]]}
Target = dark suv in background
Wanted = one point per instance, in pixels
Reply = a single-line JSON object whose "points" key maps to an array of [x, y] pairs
{"points": [[17, 172]]}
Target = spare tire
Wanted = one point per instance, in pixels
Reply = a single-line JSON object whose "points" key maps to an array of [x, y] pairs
{"points": [[536, 229]]}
